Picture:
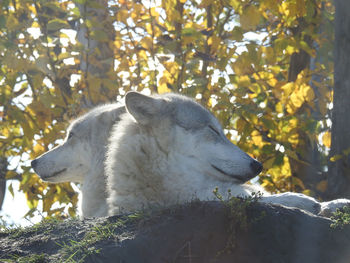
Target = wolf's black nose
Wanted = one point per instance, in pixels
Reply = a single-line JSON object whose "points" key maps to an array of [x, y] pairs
{"points": [[34, 163], [256, 167]]}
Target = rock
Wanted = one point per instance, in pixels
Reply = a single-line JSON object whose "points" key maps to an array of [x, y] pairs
{"points": [[196, 232]]}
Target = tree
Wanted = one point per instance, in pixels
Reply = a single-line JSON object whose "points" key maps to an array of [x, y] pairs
{"points": [[339, 166], [252, 63]]}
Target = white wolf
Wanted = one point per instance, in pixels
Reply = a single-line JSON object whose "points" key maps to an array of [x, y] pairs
{"points": [[164, 150], [168, 149], [81, 158]]}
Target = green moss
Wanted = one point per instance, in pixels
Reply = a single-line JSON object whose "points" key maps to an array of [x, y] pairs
{"points": [[237, 216], [76, 251], [34, 258], [340, 218], [45, 226]]}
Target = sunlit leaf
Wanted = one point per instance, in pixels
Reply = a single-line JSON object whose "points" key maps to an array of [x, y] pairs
{"points": [[10, 188], [99, 35], [57, 24], [336, 157], [250, 17], [326, 139]]}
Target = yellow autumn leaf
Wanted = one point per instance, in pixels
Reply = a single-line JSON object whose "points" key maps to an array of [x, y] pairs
{"points": [[137, 8], [286, 170], [250, 17], [307, 192], [297, 99], [147, 43], [214, 42], [38, 149], [118, 43], [35, 24], [163, 83], [123, 15], [272, 81], [32, 203], [143, 55], [336, 157], [31, 8], [326, 139], [243, 81], [290, 49], [257, 138], [293, 123], [242, 65], [154, 12], [288, 88], [171, 67], [163, 88], [279, 107], [308, 93]]}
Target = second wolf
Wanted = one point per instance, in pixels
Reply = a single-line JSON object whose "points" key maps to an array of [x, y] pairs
{"points": [[169, 149]]}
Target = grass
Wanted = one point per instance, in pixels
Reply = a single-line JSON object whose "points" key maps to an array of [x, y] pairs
{"points": [[77, 251], [45, 226], [34, 258]]}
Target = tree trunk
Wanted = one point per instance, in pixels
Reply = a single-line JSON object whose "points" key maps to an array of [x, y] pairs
{"points": [[306, 170], [3, 170], [339, 170], [98, 57]]}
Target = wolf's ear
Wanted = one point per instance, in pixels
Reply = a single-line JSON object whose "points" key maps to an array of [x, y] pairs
{"points": [[143, 108], [112, 115]]}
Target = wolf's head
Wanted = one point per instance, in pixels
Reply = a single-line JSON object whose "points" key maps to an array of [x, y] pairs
{"points": [[181, 125], [83, 148]]}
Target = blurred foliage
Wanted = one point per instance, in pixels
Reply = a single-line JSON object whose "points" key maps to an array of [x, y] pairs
{"points": [[59, 58], [341, 218]]}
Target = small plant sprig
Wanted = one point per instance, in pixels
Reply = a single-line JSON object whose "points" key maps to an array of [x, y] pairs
{"points": [[341, 217], [237, 214]]}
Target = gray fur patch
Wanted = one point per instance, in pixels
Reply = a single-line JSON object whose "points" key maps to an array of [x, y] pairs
{"points": [[186, 113]]}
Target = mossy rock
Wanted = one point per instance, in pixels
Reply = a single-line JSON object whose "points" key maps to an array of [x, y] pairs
{"points": [[196, 232]]}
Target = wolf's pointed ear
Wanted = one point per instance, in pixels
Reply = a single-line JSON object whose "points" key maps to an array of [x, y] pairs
{"points": [[143, 108], [111, 115]]}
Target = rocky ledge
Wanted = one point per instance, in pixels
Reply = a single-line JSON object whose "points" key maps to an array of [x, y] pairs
{"points": [[199, 232]]}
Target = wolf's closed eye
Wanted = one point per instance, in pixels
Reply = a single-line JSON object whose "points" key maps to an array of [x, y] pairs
{"points": [[214, 129], [70, 135]]}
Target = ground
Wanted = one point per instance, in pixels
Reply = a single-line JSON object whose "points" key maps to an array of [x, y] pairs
{"points": [[242, 230]]}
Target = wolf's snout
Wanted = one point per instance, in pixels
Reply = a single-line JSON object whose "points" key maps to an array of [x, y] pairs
{"points": [[256, 167], [34, 163]]}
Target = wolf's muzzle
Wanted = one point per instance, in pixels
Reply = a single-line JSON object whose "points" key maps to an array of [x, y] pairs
{"points": [[256, 167], [34, 163]]}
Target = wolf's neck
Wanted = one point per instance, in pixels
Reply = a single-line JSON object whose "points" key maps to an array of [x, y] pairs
{"points": [[94, 202], [93, 190]]}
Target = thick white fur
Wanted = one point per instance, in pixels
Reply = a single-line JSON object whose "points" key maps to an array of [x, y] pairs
{"points": [[154, 159], [160, 153], [140, 174], [81, 157]]}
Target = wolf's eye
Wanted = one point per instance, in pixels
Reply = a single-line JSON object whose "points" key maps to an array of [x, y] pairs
{"points": [[214, 130], [70, 135]]}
